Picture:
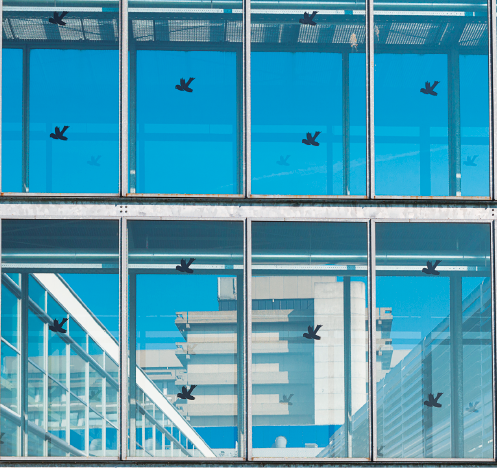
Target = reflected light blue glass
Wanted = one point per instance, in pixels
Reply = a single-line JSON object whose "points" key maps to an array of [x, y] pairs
{"points": [[85, 88], [10, 311], [186, 142], [12, 120]]}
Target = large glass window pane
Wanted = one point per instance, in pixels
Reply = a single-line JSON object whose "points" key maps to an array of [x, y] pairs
{"points": [[431, 99], [433, 355], [309, 340], [69, 274], [10, 372], [185, 98], [189, 365], [308, 99], [10, 313], [10, 434], [60, 96]]}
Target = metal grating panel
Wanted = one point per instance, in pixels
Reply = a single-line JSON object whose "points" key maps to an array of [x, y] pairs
{"points": [[474, 34], [411, 33], [343, 33]]}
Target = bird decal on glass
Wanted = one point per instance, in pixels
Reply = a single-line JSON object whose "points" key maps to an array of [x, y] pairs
{"points": [[57, 327], [433, 402], [472, 407], [94, 161], [312, 334], [186, 394], [308, 19], [311, 140], [185, 267], [286, 399], [185, 86], [429, 89], [430, 269], [283, 161], [59, 135], [470, 161], [58, 19]]}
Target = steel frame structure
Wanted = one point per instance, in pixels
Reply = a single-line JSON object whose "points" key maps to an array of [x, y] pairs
{"points": [[248, 208]]}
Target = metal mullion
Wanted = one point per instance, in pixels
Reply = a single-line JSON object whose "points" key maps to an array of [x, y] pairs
{"points": [[25, 118], [123, 339], [372, 338], [493, 277], [1, 50], [247, 122], [370, 173], [123, 97], [492, 90], [248, 335]]}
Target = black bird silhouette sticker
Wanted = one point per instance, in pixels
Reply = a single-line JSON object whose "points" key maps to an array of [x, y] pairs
{"points": [[430, 270], [185, 267], [429, 89], [470, 161], [283, 161], [433, 401], [380, 451], [286, 399], [186, 395], [472, 407], [59, 135], [58, 19], [311, 140], [311, 334], [94, 161], [185, 86], [57, 327], [1, 435], [307, 19]]}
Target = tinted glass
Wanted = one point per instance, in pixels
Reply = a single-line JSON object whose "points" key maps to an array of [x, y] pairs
{"points": [[431, 99], [188, 382], [185, 99], [434, 365], [60, 97], [309, 340], [308, 100], [68, 294]]}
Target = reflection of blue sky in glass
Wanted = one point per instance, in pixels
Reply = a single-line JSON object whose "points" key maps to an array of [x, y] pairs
{"points": [[296, 93], [186, 142], [78, 88], [411, 128]]}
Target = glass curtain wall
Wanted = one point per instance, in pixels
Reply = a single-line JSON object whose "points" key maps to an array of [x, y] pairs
{"points": [[309, 340], [186, 316], [60, 97], [434, 399], [60, 349]]}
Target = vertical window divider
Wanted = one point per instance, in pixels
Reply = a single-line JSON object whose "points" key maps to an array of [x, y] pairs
{"points": [[1, 118], [372, 338], [492, 92], [123, 97], [247, 116], [370, 172], [248, 335], [25, 116], [493, 276], [123, 339]]}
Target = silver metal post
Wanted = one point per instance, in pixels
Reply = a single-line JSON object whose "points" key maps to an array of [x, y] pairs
{"points": [[25, 118], [493, 277], [132, 364], [23, 391], [456, 368], [347, 365], [132, 118], [492, 93], [370, 169], [248, 334], [240, 362], [123, 339], [345, 123], [454, 100], [372, 338], [123, 97], [247, 124]]}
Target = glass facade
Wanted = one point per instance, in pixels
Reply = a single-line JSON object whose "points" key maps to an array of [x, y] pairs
{"points": [[249, 231]]}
